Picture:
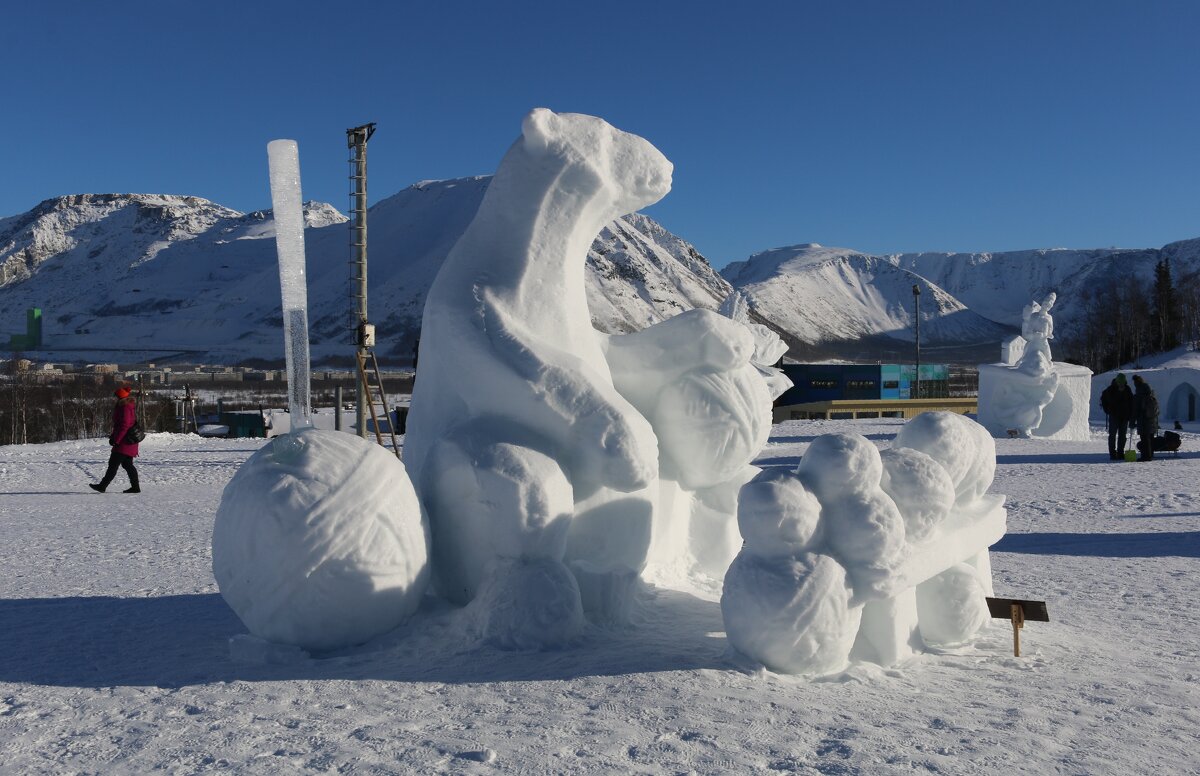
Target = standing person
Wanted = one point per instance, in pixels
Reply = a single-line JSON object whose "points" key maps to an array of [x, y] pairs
{"points": [[1145, 414], [1117, 401], [124, 416]]}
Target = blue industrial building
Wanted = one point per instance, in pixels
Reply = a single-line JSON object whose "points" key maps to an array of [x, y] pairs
{"points": [[834, 382]]}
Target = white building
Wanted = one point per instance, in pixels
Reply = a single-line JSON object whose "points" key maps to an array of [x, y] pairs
{"points": [[1176, 382]]}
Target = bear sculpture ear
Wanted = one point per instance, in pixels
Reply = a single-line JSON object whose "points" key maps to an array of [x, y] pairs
{"points": [[538, 129]]}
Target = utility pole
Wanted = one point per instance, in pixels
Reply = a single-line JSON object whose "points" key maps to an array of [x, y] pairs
{"points": [[917, 319], [364, 332]]}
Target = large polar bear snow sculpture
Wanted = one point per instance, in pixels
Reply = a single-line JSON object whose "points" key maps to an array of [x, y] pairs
{"points": [[533, 440]]}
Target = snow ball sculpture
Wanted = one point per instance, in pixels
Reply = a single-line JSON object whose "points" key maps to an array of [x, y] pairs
{"points": [[864, 529], [921, 487], [474, 495], [895, 542], [963, 448], [319, 541], [784, 604], [777, 515], [790, 613]]}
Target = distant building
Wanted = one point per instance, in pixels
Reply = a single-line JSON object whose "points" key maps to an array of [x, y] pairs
{"points": [[866, 390], [831, 382], [32, 338]]}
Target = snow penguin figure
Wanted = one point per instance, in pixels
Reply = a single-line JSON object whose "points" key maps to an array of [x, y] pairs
{"points": [[514, 417]]}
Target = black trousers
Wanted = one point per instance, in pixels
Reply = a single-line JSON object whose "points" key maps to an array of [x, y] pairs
{"points": [[1146, 444], [125, 462], [1116, 437]]}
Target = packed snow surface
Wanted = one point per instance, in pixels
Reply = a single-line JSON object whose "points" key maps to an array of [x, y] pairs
{"points": [[117, 659]]}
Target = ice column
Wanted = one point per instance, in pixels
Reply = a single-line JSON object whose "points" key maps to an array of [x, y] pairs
{"points": [[284, 160]]}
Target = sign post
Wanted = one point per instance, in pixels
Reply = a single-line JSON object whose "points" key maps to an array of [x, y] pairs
{"points": [[1017, 611]]}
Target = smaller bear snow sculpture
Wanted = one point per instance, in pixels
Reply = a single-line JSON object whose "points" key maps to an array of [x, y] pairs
{"points": [[319, 541], [895, 543], [769, 347]]}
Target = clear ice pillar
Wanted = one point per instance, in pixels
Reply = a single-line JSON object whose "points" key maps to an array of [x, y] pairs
{"points": [[284, 160]]}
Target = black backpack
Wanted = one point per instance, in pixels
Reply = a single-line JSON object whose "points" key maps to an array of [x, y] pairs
{"points": [[135, 434]]}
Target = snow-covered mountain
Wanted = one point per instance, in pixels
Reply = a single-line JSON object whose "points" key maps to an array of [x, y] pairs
{"points": [[998, 285], [838, 297], [161, 273], [153, 274], [823, 295]]}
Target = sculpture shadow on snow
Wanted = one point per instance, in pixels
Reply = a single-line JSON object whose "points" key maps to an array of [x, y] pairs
{"points": [[1097, 457], [183, 640], [1182, 544]]}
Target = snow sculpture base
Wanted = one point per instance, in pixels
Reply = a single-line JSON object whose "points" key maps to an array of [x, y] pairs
{"points": [[1065, 417], [890, 631]]}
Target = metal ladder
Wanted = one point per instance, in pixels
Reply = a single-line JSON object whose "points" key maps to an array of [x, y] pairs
{"points": [[375, 397]]}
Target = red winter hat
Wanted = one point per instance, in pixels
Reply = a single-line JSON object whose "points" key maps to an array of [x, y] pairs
{"points": [[122, 392]]}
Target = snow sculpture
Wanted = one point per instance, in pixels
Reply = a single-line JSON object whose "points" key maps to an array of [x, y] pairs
{"points": [[319, 540], [862, 555], [1029, 394], [509, 358], [695, 378], [769, 347], [535, 442]]}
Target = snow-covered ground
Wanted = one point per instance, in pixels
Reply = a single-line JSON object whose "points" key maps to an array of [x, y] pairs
{"points": [[115, 647]]}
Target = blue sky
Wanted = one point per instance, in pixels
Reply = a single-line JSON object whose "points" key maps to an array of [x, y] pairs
{"points": [[881, 126]]}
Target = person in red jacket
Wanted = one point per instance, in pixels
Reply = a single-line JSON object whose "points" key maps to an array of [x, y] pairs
{"points": [[124, 416]]}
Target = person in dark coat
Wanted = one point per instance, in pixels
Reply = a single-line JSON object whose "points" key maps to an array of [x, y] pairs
{"points": [[1145, 414], [124, 416], [1117, 402]]}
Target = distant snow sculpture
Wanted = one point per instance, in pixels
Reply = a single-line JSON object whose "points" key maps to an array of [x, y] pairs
{"points": [[1029, 394], [1037, 326], [556, 463], [319, 541], [858, 555]]}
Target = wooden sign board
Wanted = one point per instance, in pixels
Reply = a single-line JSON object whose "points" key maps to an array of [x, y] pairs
{"points": [[1033, 611]]}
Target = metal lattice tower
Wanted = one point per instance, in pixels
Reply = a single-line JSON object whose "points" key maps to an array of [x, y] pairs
{"points": [[364, 332]]}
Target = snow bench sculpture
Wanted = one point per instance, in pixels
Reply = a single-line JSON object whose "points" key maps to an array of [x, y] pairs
{"points": [[535, 442], [867, 556]]}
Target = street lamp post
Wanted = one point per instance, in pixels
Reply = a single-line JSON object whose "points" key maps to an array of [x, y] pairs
{"points": [[917, 320]]}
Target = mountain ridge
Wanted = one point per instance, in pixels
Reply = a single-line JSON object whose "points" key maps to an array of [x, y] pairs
{"points": [[177, 272]]}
